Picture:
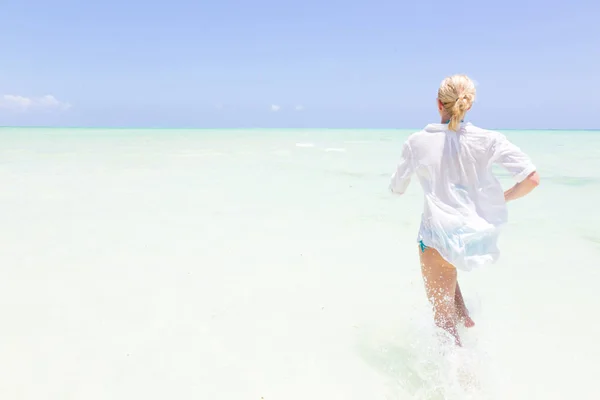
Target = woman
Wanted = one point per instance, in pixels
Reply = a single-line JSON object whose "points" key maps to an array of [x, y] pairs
{"points": [[464, 203]]}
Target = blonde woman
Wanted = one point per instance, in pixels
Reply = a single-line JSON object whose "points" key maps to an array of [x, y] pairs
{"points": [[464, 203]]}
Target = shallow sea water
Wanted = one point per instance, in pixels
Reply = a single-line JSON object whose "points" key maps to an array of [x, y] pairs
{"points": [[274, 264]]}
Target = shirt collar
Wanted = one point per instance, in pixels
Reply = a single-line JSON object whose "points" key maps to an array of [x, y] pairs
{"points": [[443, 127]]}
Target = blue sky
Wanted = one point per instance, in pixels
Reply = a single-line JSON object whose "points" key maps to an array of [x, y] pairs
{"points": [[267, 63]]}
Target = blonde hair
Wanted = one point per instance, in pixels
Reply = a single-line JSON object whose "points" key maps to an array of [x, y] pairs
{"points": [[457, 94]]}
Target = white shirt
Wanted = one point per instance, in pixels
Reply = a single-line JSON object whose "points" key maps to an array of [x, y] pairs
{"points": [[464, 202]]}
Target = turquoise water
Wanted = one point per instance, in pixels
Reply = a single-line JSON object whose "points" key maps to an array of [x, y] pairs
{"points": [[232, 264]]}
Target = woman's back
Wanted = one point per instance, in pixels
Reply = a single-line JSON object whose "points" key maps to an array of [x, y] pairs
{"points": [[464, 202]]}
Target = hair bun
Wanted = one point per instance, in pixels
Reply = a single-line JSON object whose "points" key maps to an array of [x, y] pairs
{"points": [[457, 94]]}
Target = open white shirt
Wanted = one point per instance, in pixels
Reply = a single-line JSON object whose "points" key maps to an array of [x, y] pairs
{"points": [[464, 202]]}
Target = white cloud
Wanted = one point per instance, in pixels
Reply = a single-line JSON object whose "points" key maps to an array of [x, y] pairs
{"points": [[13, 102], [300, 108], [275, 108]]}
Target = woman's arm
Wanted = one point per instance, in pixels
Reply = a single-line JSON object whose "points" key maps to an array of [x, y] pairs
{"points": [[518, 164], [522, 188], [401, 177]]}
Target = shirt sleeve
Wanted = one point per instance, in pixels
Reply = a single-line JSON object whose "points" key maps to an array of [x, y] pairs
{"points": [[512, 158], [401, 177]]}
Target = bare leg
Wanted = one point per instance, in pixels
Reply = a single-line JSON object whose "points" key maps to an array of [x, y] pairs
{"points": [[461, 309], [440, 284]]}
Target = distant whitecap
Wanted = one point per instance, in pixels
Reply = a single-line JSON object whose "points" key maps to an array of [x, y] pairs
{"points": [[305, 145], [335, 149]]}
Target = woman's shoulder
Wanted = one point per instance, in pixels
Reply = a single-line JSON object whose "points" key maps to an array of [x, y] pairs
{"points": [[419, 136], [429, 130], [471, 128], [483, 134]]}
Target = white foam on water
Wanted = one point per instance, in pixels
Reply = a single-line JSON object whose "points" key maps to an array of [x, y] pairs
{"points": [[142, 275]]}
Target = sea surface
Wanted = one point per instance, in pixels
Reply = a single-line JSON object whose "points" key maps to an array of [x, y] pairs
{"points": [[275, 265]]}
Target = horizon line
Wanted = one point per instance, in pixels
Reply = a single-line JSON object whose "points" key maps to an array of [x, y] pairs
{"points": [[267, 128]]}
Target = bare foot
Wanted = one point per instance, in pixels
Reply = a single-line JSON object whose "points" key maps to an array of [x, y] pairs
{"points": [[451, 329], [469, 323], [463, 316]]}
